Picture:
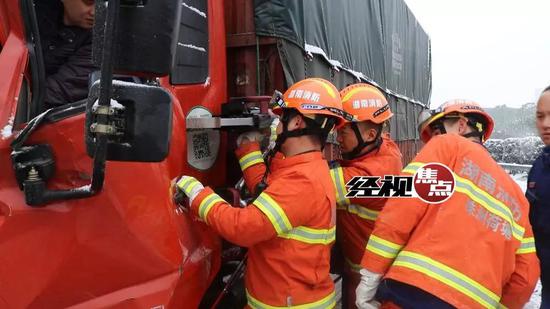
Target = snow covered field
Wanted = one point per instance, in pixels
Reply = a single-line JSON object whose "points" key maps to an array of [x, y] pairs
{"points": [[534, 302], [521, 180]]}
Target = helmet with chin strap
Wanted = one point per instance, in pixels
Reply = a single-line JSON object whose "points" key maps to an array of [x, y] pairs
{"points": [[317, 101], [314, 99], [365, 103], [479, 120]]}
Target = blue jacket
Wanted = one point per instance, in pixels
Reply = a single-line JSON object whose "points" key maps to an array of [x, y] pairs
{"points": [[538, 194]]}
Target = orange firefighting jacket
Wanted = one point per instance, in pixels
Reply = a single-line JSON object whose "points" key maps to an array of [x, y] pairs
{"points": [[356, 216], [289, 230], [474, 250]]}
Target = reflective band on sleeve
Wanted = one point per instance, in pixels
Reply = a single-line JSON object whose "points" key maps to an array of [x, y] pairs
{"points": [[449, 277], [187, 185], [337, 175], [412, 167], [383, 247], [274, 213], [363, 212], [354, 267], [341, 207], [481, 197], [527, 246], [311, 236], [327, 302], [207, 204], [250, 159]]}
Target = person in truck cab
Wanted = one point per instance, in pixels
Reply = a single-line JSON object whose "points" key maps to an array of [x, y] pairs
{"points": [[66, 39], [366, 151], [474, 249], [289, 228]]}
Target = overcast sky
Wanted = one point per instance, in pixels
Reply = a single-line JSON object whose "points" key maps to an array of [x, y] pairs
{"points": [[491, 51]]}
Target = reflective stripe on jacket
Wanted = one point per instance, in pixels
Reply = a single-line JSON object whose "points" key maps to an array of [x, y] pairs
{"points": [[289, 229], [474, 250], [326, 302], [355, 217]]}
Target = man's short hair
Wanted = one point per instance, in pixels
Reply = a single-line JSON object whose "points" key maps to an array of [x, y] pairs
{"points": [[367, 125]]}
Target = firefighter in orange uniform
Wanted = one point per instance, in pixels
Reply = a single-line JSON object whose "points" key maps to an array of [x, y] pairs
{"points": [[290, 227], [474, 250], [366, 152]]}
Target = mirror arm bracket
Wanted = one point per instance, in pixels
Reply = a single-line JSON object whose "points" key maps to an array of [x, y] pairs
{"points": [[103, 110], [36, 193], [103, 129]]}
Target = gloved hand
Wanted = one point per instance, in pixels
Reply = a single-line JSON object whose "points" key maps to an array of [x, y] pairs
{"points": [[364, 294], [249, 137], [273, 132], [189, 186]]}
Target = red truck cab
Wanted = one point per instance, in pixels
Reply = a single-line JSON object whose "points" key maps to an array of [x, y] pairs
{"points": [[87, 217], [128, 245]]}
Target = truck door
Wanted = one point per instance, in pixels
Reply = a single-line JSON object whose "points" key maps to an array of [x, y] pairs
{"points": [[198, 82], [126, 246]]}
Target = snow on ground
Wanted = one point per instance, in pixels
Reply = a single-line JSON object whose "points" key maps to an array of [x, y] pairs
{"points": [[534, 302], [521, 180]]}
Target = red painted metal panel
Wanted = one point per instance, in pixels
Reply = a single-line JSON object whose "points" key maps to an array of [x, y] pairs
{"points": [[126, 247], [4, 23], [210, 94]]}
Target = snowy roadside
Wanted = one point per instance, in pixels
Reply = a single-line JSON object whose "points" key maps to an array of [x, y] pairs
{"points": [[521, 180], [534, 302]]}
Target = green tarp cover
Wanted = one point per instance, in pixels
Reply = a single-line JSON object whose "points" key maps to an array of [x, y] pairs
{"points": [[377, 41]]}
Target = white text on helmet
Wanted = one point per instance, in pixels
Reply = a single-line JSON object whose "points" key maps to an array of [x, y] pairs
{"points": [[304, 94], [357, 104]]}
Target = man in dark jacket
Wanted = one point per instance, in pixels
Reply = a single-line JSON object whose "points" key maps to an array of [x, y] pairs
{"points": [[66, 40], [538, 194]]}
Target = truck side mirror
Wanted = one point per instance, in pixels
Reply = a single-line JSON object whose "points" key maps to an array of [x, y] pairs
{"points": [[140, 41], [124, 121], [146, 35], [140, 122]]}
